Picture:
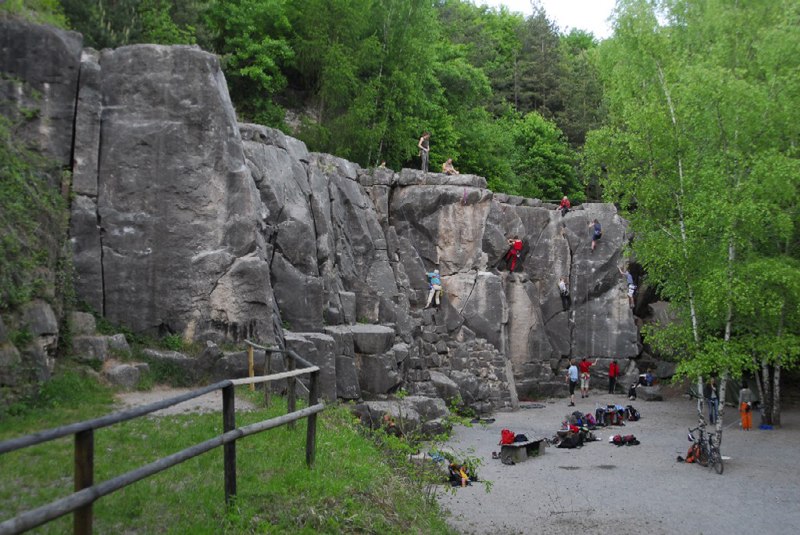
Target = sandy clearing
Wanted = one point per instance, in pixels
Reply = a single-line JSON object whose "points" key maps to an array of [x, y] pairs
{"points": [[602, 488]]}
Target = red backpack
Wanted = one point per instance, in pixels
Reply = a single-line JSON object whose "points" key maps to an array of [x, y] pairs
{"points": [[506, 437]]}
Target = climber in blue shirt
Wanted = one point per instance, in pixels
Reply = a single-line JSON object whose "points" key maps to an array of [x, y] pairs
{"points": [[435, 288], [597, 232]]}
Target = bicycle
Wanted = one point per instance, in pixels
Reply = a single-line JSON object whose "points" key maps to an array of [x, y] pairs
{"points": [[708, 445]]}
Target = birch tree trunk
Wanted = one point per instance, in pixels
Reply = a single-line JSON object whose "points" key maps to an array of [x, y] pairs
{"points": [[776, 396], [766, 409], [682, 222]]}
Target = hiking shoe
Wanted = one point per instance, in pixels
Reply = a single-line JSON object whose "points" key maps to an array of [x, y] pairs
{"points": [[571, 405], [494, 455]]}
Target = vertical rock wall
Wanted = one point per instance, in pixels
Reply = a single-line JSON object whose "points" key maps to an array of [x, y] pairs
{"points": [[185, 221]]}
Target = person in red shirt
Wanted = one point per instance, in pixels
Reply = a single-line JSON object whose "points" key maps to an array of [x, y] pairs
{"points": [[613, 373], [564, 206], [514, 250], [583, 368]]}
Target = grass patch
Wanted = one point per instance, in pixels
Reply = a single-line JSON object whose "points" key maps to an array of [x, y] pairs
{"points": [[351, 489]]}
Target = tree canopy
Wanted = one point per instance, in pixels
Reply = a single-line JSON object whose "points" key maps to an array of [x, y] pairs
{"points": [[363, 79]]}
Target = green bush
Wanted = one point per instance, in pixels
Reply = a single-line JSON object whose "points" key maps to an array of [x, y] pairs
{"points": [[42, 11], [33, 218]]}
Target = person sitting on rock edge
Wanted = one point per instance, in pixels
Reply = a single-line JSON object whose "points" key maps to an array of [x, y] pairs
{"points": [[448, 169], [435, 285], [564, 206]]}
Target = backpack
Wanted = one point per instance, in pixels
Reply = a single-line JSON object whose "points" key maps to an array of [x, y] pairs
{"points": [[600, 417], [572, 440], [506, 437], [590, 421], [632, 414], [693, 454], [576, 418]]}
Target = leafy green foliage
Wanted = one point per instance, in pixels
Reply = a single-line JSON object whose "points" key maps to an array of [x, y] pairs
{"points": [[33, 217], [543, 161], [252, 38], [113, 23], [41, 11], [700, 154]]}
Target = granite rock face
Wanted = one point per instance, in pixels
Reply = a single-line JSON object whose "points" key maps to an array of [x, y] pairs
{"points": [[166, 237], [39, 83], [187, 222]]}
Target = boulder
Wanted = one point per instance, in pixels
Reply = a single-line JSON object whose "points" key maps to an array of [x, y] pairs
{"points": [[372, 339], [649, 393], [82, 323], [182, 369], [377, 374], [318, 349], [347, 386], [90, 348], [125, 376], [446, 388], [118, 345]]}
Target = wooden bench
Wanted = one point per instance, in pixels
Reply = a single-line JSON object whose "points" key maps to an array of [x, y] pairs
{"points": [[520, 451]]}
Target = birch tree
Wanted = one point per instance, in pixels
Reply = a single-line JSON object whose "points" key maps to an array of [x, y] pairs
{"points": [[698, 144]]}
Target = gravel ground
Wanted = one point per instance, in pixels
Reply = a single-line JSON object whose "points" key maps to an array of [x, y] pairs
{"points": [[603, 488], [211, 402]]}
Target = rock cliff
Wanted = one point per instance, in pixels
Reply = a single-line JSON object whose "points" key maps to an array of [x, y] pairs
{"points": [[187, 222]]}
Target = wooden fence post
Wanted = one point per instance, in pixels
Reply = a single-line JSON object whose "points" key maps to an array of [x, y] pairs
{"points": [[84, 478], [291, 395], [250, 366], [267, 371], [311, 430], [229, 449]]}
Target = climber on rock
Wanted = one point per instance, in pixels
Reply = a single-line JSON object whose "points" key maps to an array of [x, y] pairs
{"points": [[515, 246], [563, 290], [631, 285], [435, 285], [597, 232]]}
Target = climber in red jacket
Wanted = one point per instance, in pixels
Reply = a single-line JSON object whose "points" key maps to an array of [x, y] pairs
{"points": [[514, 251]]}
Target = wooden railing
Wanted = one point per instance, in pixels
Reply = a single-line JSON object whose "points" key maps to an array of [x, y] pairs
{"points": [[87, 492]]}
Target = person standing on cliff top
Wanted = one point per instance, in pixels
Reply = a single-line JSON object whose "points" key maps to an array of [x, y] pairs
{"points": [[424, 148]]}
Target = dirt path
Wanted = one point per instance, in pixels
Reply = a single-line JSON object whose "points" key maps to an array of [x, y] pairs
{"points": [[602, 488], [211, 402]]}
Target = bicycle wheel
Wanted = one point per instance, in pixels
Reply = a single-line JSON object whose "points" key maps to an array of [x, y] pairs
{"points": [[716, 461], [702, 460]]}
